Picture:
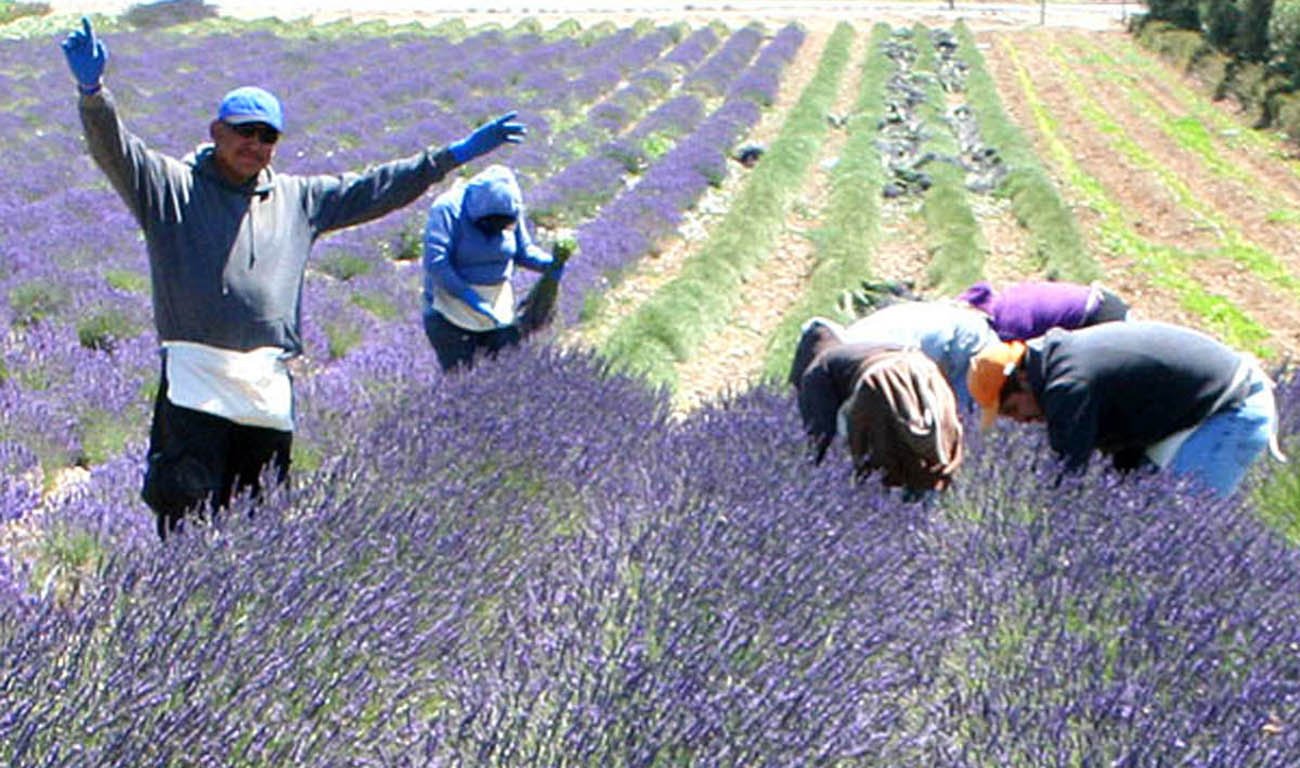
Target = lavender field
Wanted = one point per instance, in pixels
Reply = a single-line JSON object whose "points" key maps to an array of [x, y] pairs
{"points": [[587, 577]]}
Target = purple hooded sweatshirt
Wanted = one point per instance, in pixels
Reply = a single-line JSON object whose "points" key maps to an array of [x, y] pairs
{"points": [[1028, 310]]}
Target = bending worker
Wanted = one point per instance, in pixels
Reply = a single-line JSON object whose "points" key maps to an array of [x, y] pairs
{"points": [[474, 238], [1145, 393], [1028, 310], [949, 333], [890, 403], [228, 240]]}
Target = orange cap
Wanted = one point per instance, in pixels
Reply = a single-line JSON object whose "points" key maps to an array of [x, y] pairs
{"points": [[988, 373]]}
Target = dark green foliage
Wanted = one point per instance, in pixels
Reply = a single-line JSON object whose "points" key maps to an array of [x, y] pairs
{"points": [[1251, 41], [1220, 19], [1256, 63], [1237, 27], [168, 13], [1284, 39], [1180, 13]]}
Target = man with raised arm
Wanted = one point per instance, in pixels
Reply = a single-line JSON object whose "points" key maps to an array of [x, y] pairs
{"points": [[228, 239]]}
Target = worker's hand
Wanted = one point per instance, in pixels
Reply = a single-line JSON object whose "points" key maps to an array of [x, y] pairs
{"points": [[488, 137], [86, 55]]}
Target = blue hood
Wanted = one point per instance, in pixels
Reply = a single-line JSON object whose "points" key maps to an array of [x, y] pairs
{"points": [[494, 191]]}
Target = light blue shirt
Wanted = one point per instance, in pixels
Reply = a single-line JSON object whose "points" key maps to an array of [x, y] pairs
{"points": [[949, 334]]}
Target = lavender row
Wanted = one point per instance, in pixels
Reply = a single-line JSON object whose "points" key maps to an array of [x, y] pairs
{"points": [[580, 580], [631, 225], [578, 189]]}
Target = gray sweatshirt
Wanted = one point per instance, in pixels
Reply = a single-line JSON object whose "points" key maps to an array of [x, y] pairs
{"points": [[227, 262]]}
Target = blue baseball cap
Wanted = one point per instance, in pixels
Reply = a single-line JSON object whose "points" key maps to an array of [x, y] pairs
{"points": [[250, 104]]}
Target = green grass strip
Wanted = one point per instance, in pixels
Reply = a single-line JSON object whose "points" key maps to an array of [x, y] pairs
{"points": [[1150, 66], [1166, 267], [954, 237], [1059, 248], [1193, 132], [1278, 495], [666, 328], [1236, 246], [847, 239]]}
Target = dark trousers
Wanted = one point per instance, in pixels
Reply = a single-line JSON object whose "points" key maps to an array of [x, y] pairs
{"points": [[197, 462], [457, 347]]}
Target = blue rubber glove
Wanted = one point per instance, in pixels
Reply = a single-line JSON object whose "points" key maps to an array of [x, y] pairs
{"points": [[488, 137], [86, 55]]}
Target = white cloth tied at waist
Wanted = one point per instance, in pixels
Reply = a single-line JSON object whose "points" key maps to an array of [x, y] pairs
{"points": [[251, 388], [501, 297]]}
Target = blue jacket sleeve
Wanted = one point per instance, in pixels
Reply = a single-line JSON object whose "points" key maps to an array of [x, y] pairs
{"points": [[439, 249], [528, 254]]}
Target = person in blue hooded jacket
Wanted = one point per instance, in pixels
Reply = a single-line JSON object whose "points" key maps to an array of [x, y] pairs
{"points": [[228, 240], [474, 238]]}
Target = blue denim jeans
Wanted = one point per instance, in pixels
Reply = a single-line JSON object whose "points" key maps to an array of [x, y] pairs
{"points": [[1221, 450]]}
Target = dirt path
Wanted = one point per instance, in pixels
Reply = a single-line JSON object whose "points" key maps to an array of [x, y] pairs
{"points": [[1152, 208], [1120, 273], [651, 273], [732, 360]]}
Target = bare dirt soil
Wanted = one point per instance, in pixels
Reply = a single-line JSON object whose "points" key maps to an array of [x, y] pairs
{"points": [[1149, 192]]}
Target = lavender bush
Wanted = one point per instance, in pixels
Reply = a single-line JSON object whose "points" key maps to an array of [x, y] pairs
{"points": [[580, 580], [534, 564]]}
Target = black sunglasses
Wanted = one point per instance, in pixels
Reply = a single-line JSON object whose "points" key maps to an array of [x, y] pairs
{"points": [[264, 133]]}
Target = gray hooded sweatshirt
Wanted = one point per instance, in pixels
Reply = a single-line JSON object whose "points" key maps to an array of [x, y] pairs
{"points": [[227, 261]]}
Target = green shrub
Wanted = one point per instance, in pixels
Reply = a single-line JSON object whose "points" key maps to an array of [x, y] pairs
{"points": [[341, 337], [105, 435], [529, 25], [1251, 41], [1181, 46], [69, 556], [103, 328], [127, 281], [36, 301], [1219, 19], [379, 306], [1286, 114], [1278, 499], [564, 30], [344, 266]]}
